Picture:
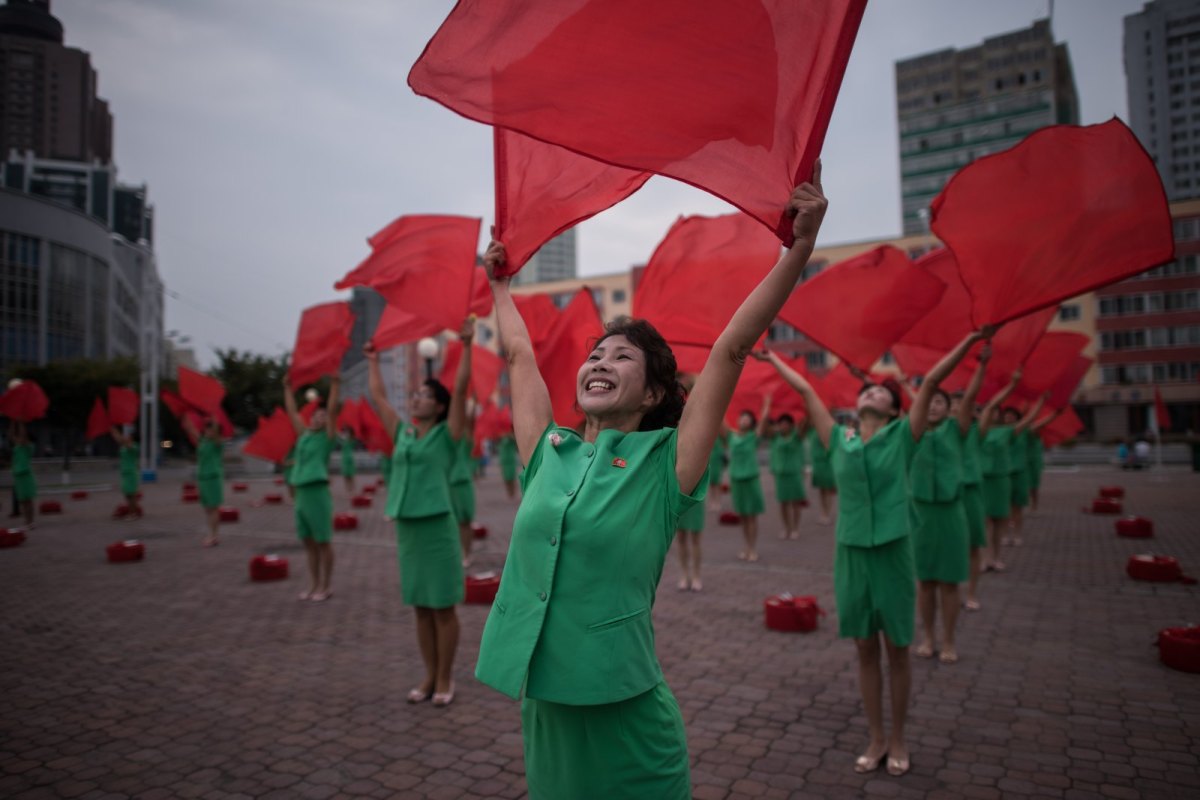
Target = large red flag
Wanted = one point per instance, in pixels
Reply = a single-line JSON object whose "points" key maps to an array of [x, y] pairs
{"points": [[860, 307], [123, 405], [397, 326], [481, 294], [321, 341], [759, 378], [423, 264], [273, 438], [25, 402], [1062, 428], [200, 391], [950, 320], [1011, 348], [1054, 354], [1161, 416], [837, 388], [98, 422], [374, 436], [700, 273], [1067, 210], [563, 352], [350, 416], [732, 97], [486, 367], [1068, 381], [542, 190], [539, 313]]}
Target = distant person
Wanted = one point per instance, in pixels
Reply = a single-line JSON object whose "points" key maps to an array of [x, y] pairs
{"points": [[1123, 454], [129, 473], [210, 473], [1141, 454], [24, 483]]}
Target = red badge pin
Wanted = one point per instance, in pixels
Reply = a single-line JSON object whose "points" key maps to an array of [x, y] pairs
{"points": [[619, 462]]}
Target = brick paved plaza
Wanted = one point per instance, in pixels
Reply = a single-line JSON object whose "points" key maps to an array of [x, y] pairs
{"points": [[176, 677]]}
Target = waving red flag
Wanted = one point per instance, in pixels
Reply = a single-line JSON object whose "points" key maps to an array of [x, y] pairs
{"points": [[860, 307], [733, 97], [350, 417], [481, 294], [397, 326], [1067, 210], [98, 422], [1054, 353], [759, 378], [563, 352], [1068, 381], [486, 367], [174, 403], [837, 388], [542, 190], [25, 402], [700, 273], [1066, 426], [945, 325], [123, 405], [374, 436], [321, 342], [1011, 348], [1161, 416], [273, 438], [539, 313], [200, 391]]}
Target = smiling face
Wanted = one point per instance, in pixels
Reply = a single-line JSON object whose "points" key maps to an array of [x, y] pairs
{"points": [[612, 381], [876, 399]]}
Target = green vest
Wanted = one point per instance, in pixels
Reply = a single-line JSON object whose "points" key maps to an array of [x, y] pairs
{"points": [[129, 462], [872, 481], [743, 455], [209, 459], [972, 457], [571, 622], [995, 451], [464, 463], [312, 458], [22, 459], [936, 473], [419, 484], [785, 454]]}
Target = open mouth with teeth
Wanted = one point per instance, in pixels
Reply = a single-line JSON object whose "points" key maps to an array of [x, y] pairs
{"points": [[599, 385]]}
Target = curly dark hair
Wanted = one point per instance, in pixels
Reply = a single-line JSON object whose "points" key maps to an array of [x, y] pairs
{"points": [[441, 395], [661, 370]]}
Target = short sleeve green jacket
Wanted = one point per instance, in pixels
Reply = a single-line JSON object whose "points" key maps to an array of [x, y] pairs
{"points": [[209, 459], [22, 459], [419, 484], [313, 449], [785, 454], [743, 455], [571, 622], [936, 474], [996, 445], [464, 463], [872, 481], [972, 457]]}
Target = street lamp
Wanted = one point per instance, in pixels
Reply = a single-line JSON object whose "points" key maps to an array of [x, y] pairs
{"points": [[427, 349]]}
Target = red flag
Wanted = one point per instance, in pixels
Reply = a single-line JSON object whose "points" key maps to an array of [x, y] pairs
{"points": [[1011, 348], [950, 320], [98, 422], [175, 404], [700, 273], [123, 405], [321, 342], [757, 379], [1068, 381], [423, 264], [397, 326], [539, 313], [350, 416], [1161, 415], [481, 294], [1067, 210], [860, 307], [200, 391], [733, 97], [837, 388], [273, 438], [25, 402], [563, 352], [542, 190], [486, 367], [1062, 428], [374, 436], [1055, 353]]}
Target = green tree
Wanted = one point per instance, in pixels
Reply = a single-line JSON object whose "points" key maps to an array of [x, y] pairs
{"points": [[253, 385]]}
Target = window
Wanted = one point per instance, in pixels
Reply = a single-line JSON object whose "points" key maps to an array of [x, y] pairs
{"points": [[618, 295], [817, 360], [1068, 312]]}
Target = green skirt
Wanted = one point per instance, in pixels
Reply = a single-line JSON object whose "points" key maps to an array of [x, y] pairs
{"points": [[462, 501], [1034, 471], [212, 492], [747, 496], [976, 519], [1020, 488], [789, 487], [941, 541], [129, 483], [635, 749], [875, 591], [997, 496], [431, 572], [26, 486], [349, 468], [314, 512], [692, 519], [822, 475]]}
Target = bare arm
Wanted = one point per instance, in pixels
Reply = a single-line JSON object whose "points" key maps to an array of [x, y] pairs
{"points": [[532, 412], [985, 419], [764, 415], [332, 405], [1046, 420], [457, 416], [966, 409], [375, 388], [289, 405], [705, 408], [918, 415], [1027, 420], [818, 415], [189, 428], [120, 438]]}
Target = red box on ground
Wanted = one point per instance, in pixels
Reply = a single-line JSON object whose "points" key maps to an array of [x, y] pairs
{"points": [[360, 501], [240, 487], [268, 568], [1135, 528], [729, 518], [273, 499], [11, 537], [479, 530], [345, 521], [79, 494], [1115, 492], [1179, 648], [125, 551], [1106, 505], [482, 588], [50, 507], [782, 612], [1158, 569], [229, 514]]}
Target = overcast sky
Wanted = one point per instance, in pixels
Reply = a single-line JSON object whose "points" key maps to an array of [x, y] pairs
{"points": [[276, 135]]}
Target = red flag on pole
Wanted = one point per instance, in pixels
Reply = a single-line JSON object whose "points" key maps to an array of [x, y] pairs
{"points": [[122, 405], [1161, 415], [397, 326], [273, 438], [563, 352], [98, 423], [734, 97], [200, 391], [321, 341], [539, 313], [1089, 207]]}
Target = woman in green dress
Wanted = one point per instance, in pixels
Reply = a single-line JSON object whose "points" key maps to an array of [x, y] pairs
{"points": [[427, 540], [745, 483], [129, 472], [1035, 451], [507, 455], [962, 406], [997, 445], [822, 476], [462, 491], [873, 563], [24, 483], [310, 481], [210, 473], [716, 469], [571, 627], [786, 462], [349, 468]]}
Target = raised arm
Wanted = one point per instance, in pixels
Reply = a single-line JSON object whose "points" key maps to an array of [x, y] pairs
{"points": [[985, 418], [289, 405], [457, 417], [532, 411], [764, 417], [333, 405], [1027, 420], [120, 438], [189, 428], [918, 415], [714, 388], [375, 388], [817, 414], [1046, 420], [966, 409]]}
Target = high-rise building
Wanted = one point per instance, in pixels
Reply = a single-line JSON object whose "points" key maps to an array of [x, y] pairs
{"points": [[555, 261], [48, 90], [1162, 81], [955, 106]]}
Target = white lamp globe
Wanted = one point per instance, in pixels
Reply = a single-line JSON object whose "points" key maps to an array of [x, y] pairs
{"points": [[427, 348]]}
